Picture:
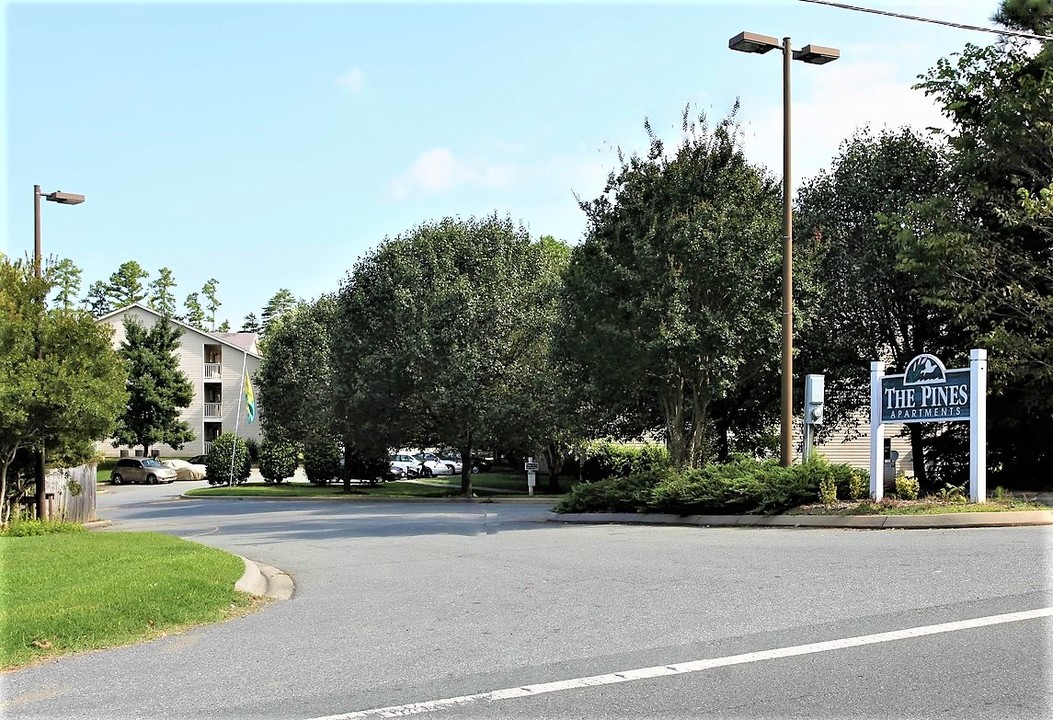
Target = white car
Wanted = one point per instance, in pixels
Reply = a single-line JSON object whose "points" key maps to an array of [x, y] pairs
{"points": [[405, 462], [431, 465], [185, 470], [453, 460]]}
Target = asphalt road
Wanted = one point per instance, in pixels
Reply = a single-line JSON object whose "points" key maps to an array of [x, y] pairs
{"points": [[444, 603]]}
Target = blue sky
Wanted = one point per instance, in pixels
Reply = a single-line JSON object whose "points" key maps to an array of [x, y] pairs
{"points": [[271, 145]]}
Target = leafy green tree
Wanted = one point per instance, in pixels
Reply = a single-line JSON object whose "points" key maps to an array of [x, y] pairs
{"points": [[278, 459], [280, 303], [195, 316], [212, 302], [162, 298], [126, 285], [295, 379], [673, 296], [861, 291], [61, 382], [97, 301], [158, 389], [228, 459], [250, 324], [66, 277], [996, 263], [431, 334]]}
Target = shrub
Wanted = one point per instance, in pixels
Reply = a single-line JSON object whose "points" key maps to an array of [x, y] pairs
{"points": [[906, 487], [616, 494], [219, 461], [27, 528], [828, 489], [604, 459], [858, 484], [952, 493], [365, 467], [254, 450], [321, 460], [278, 459]]}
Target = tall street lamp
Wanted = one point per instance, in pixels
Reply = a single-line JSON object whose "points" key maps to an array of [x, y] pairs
{"points": [[63, 198], [815, 55]]}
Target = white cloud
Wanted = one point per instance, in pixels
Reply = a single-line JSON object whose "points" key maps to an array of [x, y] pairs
{"points": [[352, 80], [438, 171], [829, 104]]}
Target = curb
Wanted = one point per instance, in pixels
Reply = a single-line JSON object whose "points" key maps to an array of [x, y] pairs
{"points": [[373, 499], [1018, 518], [96, 524], [264, 581]]}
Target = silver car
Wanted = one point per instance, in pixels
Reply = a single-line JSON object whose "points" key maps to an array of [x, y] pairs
{"points": [[147, 470]]}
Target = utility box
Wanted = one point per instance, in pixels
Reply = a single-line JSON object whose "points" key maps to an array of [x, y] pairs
{"points": [[813, 399]]}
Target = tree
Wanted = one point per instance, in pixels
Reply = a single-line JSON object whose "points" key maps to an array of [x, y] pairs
{"points": [[66, 277], [97, 301], [158, 389], [212, 303], [61, 383], [672, 299], [250, 324], [279, 304], [126, 285], [162, 299], [295, 377], [223, 327], [861, 290], [997, 262], [195, 316], [431, 333]]}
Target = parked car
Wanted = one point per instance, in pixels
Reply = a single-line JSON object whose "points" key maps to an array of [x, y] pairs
{"points": [[198, 460], [147, 470], [186, 470], [452, 460], [480, 464], [431, 465], [406, 462]]}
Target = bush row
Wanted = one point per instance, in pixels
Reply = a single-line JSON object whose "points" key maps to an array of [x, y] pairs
{"points": [[741, 486]]}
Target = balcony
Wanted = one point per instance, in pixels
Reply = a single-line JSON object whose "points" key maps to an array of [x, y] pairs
{"points": [[212, 410], [213, 371], [208, 446]]}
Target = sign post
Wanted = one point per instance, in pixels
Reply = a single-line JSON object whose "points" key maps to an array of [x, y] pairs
{"points": [[929, 392], [531, 468]]}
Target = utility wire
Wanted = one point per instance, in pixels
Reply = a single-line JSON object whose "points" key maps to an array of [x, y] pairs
{"points": [[960, 26]]}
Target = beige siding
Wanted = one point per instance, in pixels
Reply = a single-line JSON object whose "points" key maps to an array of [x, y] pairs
{"points": [[846, 447], [192, 363]]}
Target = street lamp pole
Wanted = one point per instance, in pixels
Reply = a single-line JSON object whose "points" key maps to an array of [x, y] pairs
{"points": [[815, 55], [63, 198]]}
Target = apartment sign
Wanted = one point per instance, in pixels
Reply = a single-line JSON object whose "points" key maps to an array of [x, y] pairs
{"points": [[926, 392]]}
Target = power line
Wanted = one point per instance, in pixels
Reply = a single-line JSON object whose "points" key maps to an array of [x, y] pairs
{"points": [[960, 26]]}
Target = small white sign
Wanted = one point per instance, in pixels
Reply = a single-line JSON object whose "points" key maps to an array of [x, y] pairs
{"points": [[531, 467]]}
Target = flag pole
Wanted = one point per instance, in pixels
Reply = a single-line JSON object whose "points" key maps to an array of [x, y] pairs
{"points": [[237, 418]]}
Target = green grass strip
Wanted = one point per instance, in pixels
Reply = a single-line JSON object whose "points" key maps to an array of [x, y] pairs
{"points": [[61, 594], [335, 491]]}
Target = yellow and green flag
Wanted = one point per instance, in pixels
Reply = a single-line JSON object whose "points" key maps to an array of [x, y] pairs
{"points": [[250, 399]]}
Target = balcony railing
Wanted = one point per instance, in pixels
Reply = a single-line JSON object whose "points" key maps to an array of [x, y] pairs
{"points": [[212, 410], [213, 371], [208, 446]]}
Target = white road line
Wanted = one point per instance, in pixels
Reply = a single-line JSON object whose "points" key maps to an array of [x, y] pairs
{"points": [[689, 667]]}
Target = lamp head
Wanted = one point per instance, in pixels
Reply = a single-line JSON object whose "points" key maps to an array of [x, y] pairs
{"points": [[65, 198], [753, 43]]}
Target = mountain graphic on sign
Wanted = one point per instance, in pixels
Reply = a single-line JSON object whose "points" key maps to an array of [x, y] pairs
{"points": [[925, 369]]}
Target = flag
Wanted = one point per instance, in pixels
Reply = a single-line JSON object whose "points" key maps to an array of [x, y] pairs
{"points": [[250, 399]]}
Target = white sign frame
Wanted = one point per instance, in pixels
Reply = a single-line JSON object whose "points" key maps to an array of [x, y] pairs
{"points": [[977, 420]]}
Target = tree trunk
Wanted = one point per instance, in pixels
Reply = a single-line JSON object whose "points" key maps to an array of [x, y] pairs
{"points": [[466, 469], [5, 509], [555, 465]]}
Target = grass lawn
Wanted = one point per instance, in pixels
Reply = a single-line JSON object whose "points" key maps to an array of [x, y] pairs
{"points": [[102, 472], [61, 594], [507, 481], [336, 491]]}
